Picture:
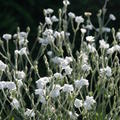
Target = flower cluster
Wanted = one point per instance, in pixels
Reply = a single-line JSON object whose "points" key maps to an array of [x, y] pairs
{"points": [[54, 79]]}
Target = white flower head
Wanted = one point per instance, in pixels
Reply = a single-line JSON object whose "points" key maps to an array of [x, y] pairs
{"points": [[110, 50], [56, 91], [108, 71], [103, 44], [48, 11], [48, 20], [68, 69], [15, 103], [50, 53], [68, 88], [57, 34], [8, 85], [29, 113], [40, 92], [112, 17], [20, 74], [42, 100], [7, 36], [90, 39], [2, 85], [116, 48], [80, 83], [71, 15], [2, 66], [66, 2], [91, 48], [84, 58], [58, 75], [83, 30], [89, 102], [79, 19], [86, 67], [89, 27], [22, 51], [41, 83], [78, 103], [54, 19], [118, 35], [11, 85]]}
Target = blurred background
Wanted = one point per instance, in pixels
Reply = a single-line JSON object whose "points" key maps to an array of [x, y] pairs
{"points": [[25, 13]]}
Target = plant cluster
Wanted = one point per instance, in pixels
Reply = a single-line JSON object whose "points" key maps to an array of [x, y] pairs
{"points": [[78, 83]]}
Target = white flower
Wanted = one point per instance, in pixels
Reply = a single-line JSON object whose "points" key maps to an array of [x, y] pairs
{"points": [[41, 83], [118, 35], [89, 102], [79, 19], [40, 92], [57, 60], [58, 75], [23, 41], [86, 67], [22, 35], [48, 11], [20, 74], [49, 53], [104, 29], [103, 44], [2, 85], [15, 103], [44, 42], [83, 30], [110, 50], [84, 57], [68, 59], [72, 115], [80, 83], [22, 51], [68, 70], [89, 27], [42, 100], [112, 17], [10, 85], [113, 49], [78, 103], [66, 2], [29, 113], [19, 83], [48, 32], [56, 91], [91, 48], [116, 48], [7, 36], [2, 66], [57, 34], [48, 20], [68, 88], [54, 19], [71, 15], [90, 39], [108, 71], [47, 40]]}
